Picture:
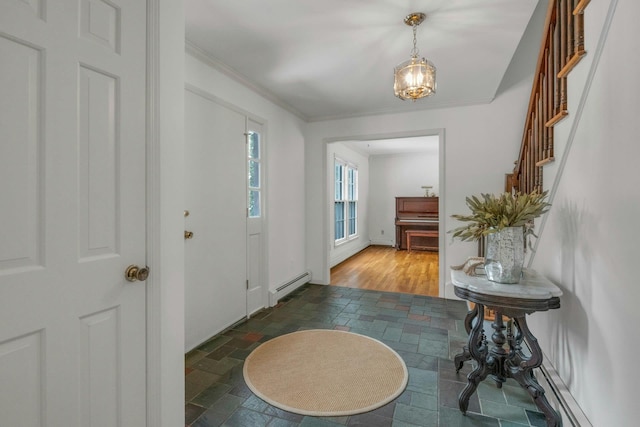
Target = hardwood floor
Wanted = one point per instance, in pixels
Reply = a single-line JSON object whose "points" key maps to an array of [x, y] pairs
{"points": [[383, 268]]}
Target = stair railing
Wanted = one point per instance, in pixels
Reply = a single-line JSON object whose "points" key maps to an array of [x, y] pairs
{"points": [[561, 49]]}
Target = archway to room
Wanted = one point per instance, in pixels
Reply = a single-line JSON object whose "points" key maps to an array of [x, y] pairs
{"points": [[361, 248]]}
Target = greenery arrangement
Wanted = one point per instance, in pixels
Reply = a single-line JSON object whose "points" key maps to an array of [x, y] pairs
{"points": [[491, 213]]}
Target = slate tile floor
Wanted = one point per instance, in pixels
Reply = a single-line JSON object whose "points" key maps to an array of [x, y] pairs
{"points": [[427, 332]]}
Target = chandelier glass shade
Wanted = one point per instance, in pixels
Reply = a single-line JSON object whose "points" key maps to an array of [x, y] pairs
{"points": [[415, 78]]}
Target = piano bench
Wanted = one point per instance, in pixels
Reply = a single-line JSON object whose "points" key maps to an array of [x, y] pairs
{"points": [[419, 233]]}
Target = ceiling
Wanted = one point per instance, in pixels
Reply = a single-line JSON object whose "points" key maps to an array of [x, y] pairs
{"points": [[334, 58]]}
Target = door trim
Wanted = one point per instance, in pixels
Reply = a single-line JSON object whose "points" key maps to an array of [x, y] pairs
{"points": [[328, 197], [154, 299], [164, 204]]}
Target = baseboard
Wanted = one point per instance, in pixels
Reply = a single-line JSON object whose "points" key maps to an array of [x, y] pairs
{"points": [[383, 243], [559, 396], [286, 288]]}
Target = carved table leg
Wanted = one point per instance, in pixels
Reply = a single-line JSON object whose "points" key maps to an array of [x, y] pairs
{"points": [[477, 350], [522, 372], [459, 359], [498, 353]]}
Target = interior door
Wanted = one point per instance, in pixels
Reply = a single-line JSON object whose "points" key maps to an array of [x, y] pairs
{"points": [[72, 212], [256, 295], [215, 195]]}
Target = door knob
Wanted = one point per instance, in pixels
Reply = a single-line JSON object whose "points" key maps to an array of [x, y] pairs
{"points": [[134, 273], [188, 234]]}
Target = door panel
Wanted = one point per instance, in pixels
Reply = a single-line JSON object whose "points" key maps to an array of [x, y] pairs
{"points": [[215, 195], [72, 176], [100, 370], [21, 182], [21, 370], [98, 165]]}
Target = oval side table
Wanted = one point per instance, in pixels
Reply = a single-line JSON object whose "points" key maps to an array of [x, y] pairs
{"points": [[533, 293]]}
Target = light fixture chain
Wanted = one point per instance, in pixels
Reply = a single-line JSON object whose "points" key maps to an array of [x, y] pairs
{"points": [[414, 51]]}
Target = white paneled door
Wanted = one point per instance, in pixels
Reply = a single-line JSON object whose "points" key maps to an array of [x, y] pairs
{"points": [[215, 196], [72, 212]]}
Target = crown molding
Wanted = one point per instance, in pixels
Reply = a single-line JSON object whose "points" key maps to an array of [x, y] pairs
{"points": [[204, 56]]}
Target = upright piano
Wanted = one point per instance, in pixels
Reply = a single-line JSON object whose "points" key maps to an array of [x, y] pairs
{"points": [[416, 213]]}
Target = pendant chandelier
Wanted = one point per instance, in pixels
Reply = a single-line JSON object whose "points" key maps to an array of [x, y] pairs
{"points": [[415, 78]]}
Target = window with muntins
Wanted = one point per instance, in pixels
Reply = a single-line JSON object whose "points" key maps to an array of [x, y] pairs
{"points": [[345, 201], [253, 172]]}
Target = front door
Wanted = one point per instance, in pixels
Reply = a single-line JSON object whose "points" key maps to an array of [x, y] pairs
{"points": [[215, 196], [72, 212]]}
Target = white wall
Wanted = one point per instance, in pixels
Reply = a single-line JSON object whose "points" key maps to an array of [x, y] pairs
{"points": [[339, 253], [285, 177], [397, 175], [589, 242]]}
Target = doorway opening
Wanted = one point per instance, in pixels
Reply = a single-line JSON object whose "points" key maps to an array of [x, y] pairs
{"points": [[389, 167]]}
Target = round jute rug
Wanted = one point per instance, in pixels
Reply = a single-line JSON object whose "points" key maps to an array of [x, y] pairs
{"points": [[325, 373]]}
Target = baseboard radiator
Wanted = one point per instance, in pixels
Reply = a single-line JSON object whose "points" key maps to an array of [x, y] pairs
{"points": [[287, 288], [560, 397]]}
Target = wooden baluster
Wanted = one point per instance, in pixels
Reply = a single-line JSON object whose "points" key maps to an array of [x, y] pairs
{"points": [[540, 181], [562, 20], [550, 156], [532, 170], [526, 164], [530, 167], [544, 105], [521, 177], [556, 65], [534, 142], [551, 79], [541, 129], [579, 33], [563, 54], [528, 188], [570, 29], [526, 170], [541, 115], [539, 135], [526, 173], [521, 181]]}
